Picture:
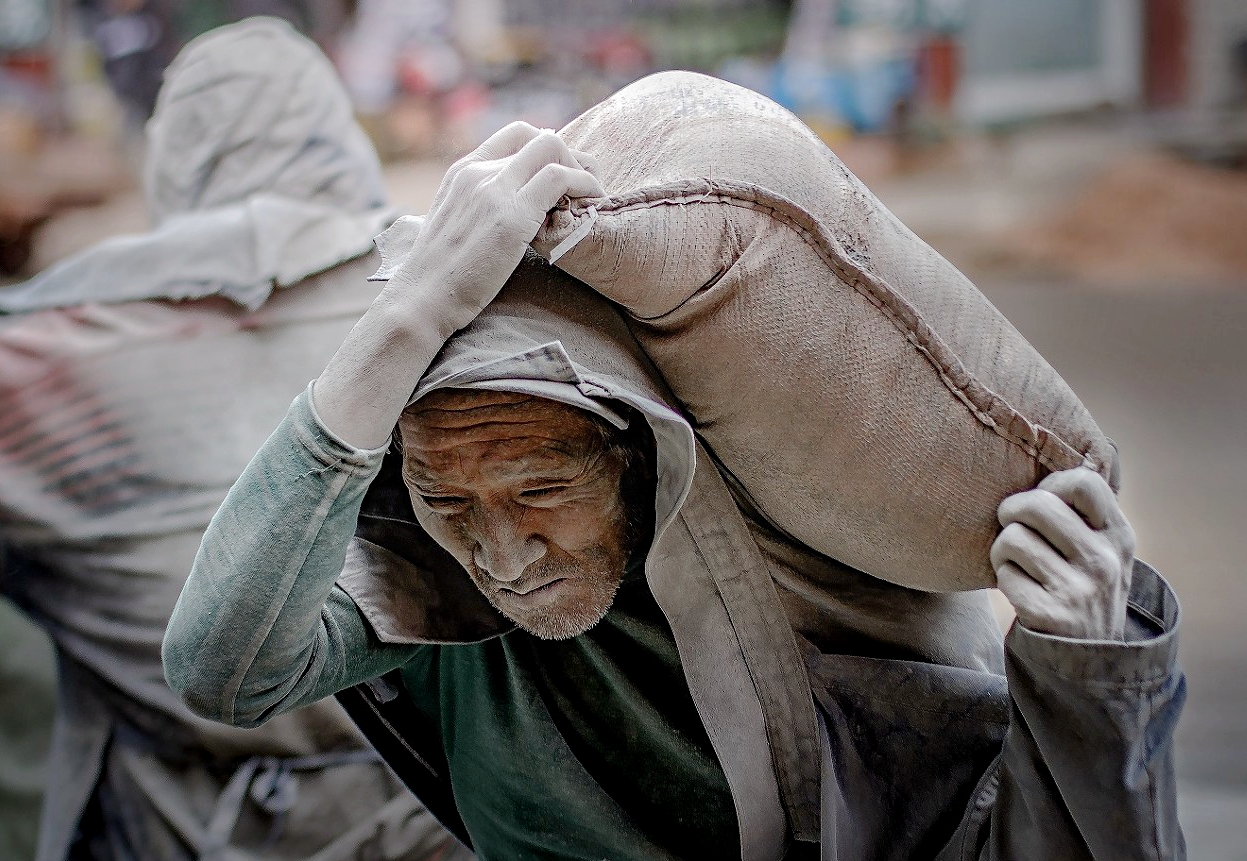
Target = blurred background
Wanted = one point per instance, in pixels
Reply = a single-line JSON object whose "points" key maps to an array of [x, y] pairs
{"points": [[1085, 161]]}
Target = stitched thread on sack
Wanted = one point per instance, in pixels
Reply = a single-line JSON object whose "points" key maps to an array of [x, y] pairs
{"points": [[1044, 445]]}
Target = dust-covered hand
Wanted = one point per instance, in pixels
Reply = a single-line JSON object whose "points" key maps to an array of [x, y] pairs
{"points": [[489, 207], [487, 210], [1065, 556]]}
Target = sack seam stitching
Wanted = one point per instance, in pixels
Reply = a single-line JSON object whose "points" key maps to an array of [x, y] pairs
{"points": [[875, 290]]}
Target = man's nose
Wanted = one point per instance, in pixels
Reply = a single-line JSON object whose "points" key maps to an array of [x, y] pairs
{"points": [[505, 547]]}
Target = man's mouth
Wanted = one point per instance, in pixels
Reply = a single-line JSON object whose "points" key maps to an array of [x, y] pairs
{"points": [[534, 596]]}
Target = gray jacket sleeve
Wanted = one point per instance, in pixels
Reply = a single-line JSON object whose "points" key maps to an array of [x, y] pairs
{"points": [[260, 627], [1086, 769]]}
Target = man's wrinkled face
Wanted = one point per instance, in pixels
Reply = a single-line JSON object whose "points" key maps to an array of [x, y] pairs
{"points": [[527, 494]]}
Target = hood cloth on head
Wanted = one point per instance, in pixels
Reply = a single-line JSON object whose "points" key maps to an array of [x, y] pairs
{"points": [[733, 589], [257, 177]]}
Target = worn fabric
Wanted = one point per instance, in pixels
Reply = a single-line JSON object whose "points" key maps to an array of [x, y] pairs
{"points": [[254, 109], [241, 253], [331, 613], [125, 423], [27, 701], [125, 426], [257, 176], [576, 717], [782, 301]]}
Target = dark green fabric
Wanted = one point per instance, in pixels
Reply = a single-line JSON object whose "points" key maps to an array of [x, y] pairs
{"points": [[549, 743]]}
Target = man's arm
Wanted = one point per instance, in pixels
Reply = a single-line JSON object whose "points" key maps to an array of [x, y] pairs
{"points": [[1086, 769], [260, 627]]}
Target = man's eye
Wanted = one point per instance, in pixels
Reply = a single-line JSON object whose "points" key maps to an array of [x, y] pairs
{"points": [[444, 503], [542, 492]]}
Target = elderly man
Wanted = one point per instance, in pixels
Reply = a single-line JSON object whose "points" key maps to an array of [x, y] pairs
{"points": [[575, 693], [126, 417]]}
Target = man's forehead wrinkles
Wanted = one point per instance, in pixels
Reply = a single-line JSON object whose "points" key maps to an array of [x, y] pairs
{"points": [[461, 407], [502, 438], [502, 426], [469, 399], [466, 437], [509, 476], [505, 427], [552, 457], [466, 405], [493, 413]]}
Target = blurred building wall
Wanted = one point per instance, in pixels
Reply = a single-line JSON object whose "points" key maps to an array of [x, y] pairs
{"points": [[1218, 30], [1025, 59]]}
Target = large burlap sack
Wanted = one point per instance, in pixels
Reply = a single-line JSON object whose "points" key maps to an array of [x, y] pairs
{"points": [[867, 397]]}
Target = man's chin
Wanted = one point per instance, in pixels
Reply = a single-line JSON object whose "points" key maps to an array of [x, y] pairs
{"points": [[557, 629], [565, 619]]}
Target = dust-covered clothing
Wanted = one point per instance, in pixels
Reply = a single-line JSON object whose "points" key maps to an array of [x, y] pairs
{"points": [[28, 683], [602, 722], [919, 746]]}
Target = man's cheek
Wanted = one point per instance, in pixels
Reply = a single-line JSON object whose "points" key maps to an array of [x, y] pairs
{"points": [[594, 526], [572, 527]]}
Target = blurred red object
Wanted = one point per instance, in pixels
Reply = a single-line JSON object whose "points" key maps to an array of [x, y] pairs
{"points": [[939, 70], [33, 66], [1166, 45], [618, 53]]}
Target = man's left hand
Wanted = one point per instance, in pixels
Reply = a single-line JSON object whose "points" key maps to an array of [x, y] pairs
{"points": [[1065, 556]]}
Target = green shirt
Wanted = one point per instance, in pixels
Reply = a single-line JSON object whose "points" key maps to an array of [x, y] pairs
{"points": [[583, 748]]}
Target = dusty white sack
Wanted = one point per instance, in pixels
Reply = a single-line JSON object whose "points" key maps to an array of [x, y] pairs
{"points": [[869, 399]]}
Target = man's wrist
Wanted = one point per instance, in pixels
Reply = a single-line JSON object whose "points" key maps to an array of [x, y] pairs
{"points": [[432, 302], [322, 441], [367, 383], [1146, 657], [410, 314]]}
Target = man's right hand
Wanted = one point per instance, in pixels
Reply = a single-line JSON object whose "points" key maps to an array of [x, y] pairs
{"points": [[1065, 555], [490, 205]]}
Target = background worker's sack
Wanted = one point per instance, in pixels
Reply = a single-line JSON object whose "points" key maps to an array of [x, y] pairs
{"points": [[867, 397]]}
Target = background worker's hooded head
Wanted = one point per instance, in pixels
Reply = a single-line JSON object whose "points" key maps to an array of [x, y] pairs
{"points": [[257, 176], [256, 108]]}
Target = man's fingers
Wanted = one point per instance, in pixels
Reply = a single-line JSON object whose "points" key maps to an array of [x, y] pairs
{"points": [[502, 144], [587, 161], [1087, 493], [505, 142], [1069, 538], [545, 149], [554, 181], [1050, 516], [1077, 513], [1020, 589], [1024, 547]]}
